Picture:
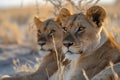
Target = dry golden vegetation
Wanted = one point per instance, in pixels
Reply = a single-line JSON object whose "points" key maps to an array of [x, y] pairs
{"points": [[15, 23]]}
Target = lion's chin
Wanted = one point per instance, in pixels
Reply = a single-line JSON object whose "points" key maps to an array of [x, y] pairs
{"points": [[44, 53], [71, 56]]}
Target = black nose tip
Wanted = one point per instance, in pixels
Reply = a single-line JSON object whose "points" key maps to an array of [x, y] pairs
{"points": [[41, 43], [68, 44]]}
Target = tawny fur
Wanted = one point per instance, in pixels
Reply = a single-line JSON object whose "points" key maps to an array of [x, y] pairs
{"points": [[94, 58], [97, 61], [99, 58], [108, 73]]}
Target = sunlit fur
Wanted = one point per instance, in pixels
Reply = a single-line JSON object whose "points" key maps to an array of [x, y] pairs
{"points": [[62, 16], [46, 31], [110, 73], [94, 57], [83, 41]]}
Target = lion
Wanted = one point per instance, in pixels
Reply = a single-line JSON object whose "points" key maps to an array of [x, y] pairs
{"points": [[81, 44], [49, 38]]}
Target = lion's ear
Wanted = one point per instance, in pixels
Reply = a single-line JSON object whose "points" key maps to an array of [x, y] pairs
{"points": [[37, 22], [63, 15], [97, 14]]}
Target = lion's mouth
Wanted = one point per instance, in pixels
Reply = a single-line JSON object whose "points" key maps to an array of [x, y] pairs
{"points": [[44, 50], [69, 52], [81, 52]]}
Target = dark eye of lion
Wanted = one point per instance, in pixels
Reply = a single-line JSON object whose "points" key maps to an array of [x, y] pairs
{"points": [[39, 32], [80, 29], [65, 29], [51, 33]]}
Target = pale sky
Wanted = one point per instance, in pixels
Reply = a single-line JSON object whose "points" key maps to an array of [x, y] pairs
{"points": [[14, 3]]}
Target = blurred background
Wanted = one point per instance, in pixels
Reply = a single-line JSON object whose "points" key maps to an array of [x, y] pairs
{"points": [[18, 46]]}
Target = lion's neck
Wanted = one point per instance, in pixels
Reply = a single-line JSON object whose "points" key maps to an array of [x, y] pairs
{"points": [[101, 39], [70, 69], [49, 61], [106, 46], [107, 51], [102, 56], [96, 45]]}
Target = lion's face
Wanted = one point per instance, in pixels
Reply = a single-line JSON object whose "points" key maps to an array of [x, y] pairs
{"points": [[81, 34], [48, 31]]}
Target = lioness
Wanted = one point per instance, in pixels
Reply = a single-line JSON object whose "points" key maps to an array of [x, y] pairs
{"points": [[48, 32], [81, 44]]}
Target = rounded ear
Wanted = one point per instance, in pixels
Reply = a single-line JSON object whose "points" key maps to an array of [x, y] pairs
{"points": [[37, 22], [97, 14], [63, 15]]}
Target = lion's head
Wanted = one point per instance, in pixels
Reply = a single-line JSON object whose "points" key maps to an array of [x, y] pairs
{"points": [[49, 31], [82, 32], [46, 31]]}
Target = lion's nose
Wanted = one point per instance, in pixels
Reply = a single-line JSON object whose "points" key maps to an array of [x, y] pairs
{"points": [[67, 44], [42, 43]]}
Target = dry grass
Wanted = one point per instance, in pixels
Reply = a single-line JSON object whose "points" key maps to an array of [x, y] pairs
{"points": [[15, 23], [116, 77], [27, 68]]}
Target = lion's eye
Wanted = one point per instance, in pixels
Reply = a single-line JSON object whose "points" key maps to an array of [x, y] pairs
{"points": [[51, 33], [80, 29], [65, 29], [39, 32]]}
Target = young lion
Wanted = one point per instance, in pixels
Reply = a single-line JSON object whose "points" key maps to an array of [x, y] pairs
{"points": [[81, 44], [48, 31]]}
